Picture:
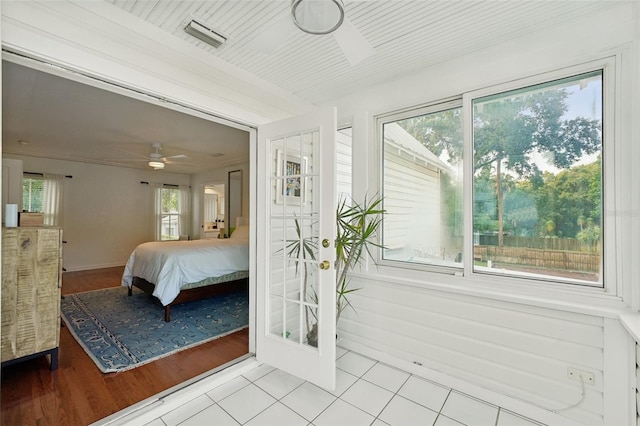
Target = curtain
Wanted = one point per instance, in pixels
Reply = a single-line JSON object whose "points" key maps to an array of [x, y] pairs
{"points": [[52, 199], [184, 210], [156, 210]]}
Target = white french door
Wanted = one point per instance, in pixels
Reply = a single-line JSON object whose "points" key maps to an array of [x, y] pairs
{"points": [[296, 224]]}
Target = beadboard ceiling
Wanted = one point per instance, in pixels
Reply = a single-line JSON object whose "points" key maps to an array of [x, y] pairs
{"points": [[407, 36]]}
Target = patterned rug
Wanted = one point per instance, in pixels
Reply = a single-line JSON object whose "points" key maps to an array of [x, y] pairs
{"points": [[121, 332]]}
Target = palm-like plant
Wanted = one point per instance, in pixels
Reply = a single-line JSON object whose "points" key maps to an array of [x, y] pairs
{"points": [[357, 225]]}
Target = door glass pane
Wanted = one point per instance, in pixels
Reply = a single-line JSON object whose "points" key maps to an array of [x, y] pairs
{"points": [[537, 184], [294, 237]]}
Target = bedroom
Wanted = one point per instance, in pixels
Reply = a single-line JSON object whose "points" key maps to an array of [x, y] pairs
{"points": [[112, 203], [574, 39]]}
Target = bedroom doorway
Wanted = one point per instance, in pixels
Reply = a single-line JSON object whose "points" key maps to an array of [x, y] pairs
{"points": [[122, 186]]}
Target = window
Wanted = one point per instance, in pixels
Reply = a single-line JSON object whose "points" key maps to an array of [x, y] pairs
{"points": [[537, 181], [32, 193], [170, 217], [533, 199], [172, 210], [422, 187]]}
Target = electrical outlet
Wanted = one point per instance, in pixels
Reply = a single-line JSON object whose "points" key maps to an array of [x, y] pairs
{"points": [[587, 376]]}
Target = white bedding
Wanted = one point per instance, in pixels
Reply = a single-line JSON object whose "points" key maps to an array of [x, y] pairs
{"points": [[172, 264]]}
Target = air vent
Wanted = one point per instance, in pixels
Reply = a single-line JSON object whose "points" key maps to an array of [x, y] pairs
{"points": [[205, 34]]}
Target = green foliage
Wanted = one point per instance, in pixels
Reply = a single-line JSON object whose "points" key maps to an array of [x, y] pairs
{"points": [[169, 200], [32, 194], [564, 205], [507, 130], [357, 226], [440, 132]]}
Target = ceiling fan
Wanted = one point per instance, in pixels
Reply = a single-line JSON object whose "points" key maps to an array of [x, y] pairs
{"points": [[317, 17], [155, 159]]}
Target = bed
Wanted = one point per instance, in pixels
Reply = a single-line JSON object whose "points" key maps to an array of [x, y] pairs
{"points": [[178, 271]]}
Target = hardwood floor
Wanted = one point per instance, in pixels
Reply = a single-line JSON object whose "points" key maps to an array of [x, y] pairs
{"points": [[78, 393]]}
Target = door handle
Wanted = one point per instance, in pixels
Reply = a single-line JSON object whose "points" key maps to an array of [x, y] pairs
{"points": [[325, 264]]}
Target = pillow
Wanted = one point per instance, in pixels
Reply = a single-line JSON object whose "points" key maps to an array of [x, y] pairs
{"points": [[241, 233]]}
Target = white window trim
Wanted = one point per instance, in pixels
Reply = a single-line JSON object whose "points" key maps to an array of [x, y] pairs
{"points": [[546, 293]]}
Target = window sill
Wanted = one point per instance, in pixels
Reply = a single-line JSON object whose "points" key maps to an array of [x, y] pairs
{"points": [[631, 322], [563, 297]]}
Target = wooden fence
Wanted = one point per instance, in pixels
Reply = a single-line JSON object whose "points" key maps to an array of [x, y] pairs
{"points": [[539, 258], [560, 244]]}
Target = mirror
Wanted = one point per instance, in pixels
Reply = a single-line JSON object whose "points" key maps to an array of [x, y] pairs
{"points": [[213, 209], [234, 200]]}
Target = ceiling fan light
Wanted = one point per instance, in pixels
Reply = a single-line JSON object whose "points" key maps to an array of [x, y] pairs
{"points": [[317, 16], [157, 165]]}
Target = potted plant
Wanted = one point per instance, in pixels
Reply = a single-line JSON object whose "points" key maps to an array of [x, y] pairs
{"points": [[357, 225]]}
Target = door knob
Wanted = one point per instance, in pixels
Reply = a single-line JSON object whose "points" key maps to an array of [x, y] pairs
{"points": [[325, 264]]}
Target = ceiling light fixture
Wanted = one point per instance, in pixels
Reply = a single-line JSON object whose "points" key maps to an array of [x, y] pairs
{"points": [[317, 16], [157, 165], [204, 33]]}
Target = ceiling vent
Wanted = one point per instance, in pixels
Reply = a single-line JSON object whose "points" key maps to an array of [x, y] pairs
{"points": [[205, 34]]}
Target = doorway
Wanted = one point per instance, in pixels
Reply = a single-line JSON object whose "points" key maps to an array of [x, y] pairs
{"points": [[112, 231]]}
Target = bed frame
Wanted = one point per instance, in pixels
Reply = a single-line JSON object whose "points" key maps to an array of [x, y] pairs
{"points": [[196, 291]]}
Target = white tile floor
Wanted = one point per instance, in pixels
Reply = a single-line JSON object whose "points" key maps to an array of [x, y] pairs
{"points": [[367, 393]]}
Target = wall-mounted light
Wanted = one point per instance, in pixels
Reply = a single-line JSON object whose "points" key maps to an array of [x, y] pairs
{"points": [[157, 165]]}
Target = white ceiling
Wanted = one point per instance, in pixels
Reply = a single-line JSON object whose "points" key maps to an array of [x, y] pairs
{"points": [[44, 115], [67, 120], [407, 36]]}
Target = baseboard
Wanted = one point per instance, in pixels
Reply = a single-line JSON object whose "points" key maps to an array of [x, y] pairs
{"points": [[508, 403], [90, 267]]}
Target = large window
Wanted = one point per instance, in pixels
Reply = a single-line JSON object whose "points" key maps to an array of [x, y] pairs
{"points": [[533, 201], [537, 173], [172, 210]]}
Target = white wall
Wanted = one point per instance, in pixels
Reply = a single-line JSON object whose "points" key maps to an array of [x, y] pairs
{"points": [[107, 210], [514, 340]]}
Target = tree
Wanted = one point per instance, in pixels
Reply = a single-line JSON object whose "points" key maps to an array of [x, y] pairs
{"points": [[572, 201], [508, 130]]}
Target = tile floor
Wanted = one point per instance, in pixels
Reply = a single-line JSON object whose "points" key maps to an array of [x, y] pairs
{"points": [[367, 393]]}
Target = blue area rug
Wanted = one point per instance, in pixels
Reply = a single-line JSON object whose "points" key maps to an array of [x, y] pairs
{"points": [[121, 332]]}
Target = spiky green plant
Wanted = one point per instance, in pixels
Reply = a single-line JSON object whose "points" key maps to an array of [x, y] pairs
{"points": [[357, 226]]}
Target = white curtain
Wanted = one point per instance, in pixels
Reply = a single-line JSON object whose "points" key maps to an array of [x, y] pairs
{"points": [[156, 188], [184, 209], [52, 199]]}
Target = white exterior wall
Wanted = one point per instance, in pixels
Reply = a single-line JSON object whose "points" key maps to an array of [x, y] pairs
{"points": [[510, 339], [412, 198]]}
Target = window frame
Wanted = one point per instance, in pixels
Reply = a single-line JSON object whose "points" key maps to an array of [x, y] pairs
{"points": [[32, 177], [170, 215], [381, 120], [464, 276]]}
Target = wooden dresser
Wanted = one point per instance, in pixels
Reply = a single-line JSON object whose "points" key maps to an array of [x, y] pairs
{"points": [[31, 282]]}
